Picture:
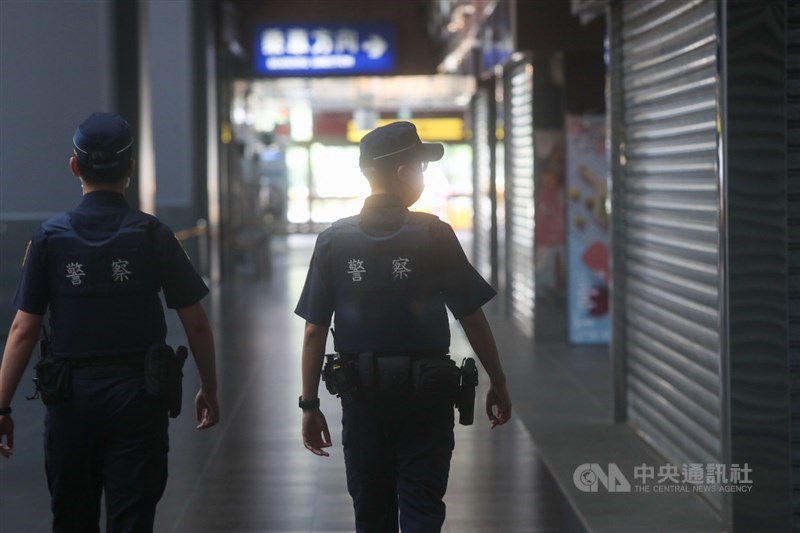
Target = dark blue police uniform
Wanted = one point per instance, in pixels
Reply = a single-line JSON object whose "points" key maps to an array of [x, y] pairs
{"points": [[388, 277], [99, 270]]}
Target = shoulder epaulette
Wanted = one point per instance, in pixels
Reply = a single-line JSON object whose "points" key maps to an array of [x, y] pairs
{"points": [[57, 223], [346, 222], [422, 218], [139, 218]]}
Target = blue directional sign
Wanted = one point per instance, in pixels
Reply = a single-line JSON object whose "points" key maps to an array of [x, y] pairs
{"points": [[324, 49]]}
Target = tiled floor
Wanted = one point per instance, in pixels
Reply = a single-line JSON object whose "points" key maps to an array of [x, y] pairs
{"points": [[252, 473]]}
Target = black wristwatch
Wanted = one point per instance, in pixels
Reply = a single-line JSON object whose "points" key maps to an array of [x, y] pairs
{"points": [[307, 405], [7, 410]]}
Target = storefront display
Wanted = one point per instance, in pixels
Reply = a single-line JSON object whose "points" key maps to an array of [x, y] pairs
{"points": [[587, 236]]}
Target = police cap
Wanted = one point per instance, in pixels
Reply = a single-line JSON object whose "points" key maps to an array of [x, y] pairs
{"points": [[396, 139], [103, 142]]}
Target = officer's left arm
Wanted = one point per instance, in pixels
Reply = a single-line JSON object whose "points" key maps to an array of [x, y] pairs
{"points": [[479, 334], [201, 341], [183, 289], [22, 338]]}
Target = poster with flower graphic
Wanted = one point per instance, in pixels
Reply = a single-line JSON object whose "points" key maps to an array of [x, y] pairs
{"points": [[587, 236]]}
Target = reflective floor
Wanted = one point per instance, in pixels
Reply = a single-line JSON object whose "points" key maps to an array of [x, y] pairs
{"points": [[252, 473]]}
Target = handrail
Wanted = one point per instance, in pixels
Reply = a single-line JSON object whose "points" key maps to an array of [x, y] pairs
{"points": [[199, 230]]}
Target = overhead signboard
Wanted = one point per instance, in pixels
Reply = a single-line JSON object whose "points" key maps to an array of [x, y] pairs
{"points": [[324, 49]]}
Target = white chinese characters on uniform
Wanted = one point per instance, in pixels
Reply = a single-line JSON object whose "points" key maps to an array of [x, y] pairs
{"points": [[400, 268], [119, 269], [75, 273], [356, 268]]}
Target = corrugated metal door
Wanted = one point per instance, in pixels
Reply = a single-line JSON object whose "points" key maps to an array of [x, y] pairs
{"points": [[666, 224], [482, 182], [519, 208], [793, 210]]}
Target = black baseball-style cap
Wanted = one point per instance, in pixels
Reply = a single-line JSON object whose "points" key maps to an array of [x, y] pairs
{"points": [[103, 142], [396, 139]]}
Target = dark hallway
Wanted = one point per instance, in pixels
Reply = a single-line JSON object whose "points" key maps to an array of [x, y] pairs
{"points": [[252, 473]]}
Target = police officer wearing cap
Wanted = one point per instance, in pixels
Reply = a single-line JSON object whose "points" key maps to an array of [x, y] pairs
{"points": [[99, 270], [387, 277]]}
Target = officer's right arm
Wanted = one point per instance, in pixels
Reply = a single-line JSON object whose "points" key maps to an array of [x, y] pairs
{"points": [[315, 428], [316, 307], [22, 338], [31, 300]]}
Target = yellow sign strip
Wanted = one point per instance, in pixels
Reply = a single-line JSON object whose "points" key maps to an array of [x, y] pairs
{"points": [[429, 129]]}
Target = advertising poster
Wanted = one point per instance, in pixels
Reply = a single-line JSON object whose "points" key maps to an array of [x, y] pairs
{"points": [[587, 234], [550, 235]]}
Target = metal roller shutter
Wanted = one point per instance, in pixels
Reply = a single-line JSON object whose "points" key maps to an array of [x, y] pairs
{"points": [[667, 228], [519, 161], [793, 210], [481, 183]]}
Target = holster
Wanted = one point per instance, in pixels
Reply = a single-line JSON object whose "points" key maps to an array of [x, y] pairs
{"points": [[465, 401], [175, 399], [341, 377], [163, 375], [52, 380]]}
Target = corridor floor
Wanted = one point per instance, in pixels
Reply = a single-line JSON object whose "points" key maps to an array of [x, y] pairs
{"points": [[252, 473]]}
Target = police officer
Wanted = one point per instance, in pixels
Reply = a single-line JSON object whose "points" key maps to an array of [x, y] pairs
{"points": [[99, 270], [387, 276]]}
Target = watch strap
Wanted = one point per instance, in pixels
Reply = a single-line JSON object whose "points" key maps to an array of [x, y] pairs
{"points": [[307, 405], [5, 410]]}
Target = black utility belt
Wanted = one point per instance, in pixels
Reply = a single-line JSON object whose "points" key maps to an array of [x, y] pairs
{"points": [[161, 368], [370, 375], [104, 366], [429, 374], [415, 354], [395, 375]]}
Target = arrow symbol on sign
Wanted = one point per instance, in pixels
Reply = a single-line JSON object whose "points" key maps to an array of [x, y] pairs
{"points": [[375, 46]]}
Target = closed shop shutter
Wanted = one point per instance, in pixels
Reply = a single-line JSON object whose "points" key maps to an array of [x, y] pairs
{"points": [[666, 229], [793, 209], [519, 161], [481, 183]]}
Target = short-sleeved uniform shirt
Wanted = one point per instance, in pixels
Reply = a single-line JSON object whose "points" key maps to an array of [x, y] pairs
{"points": [[102, 286], [388, 276]]}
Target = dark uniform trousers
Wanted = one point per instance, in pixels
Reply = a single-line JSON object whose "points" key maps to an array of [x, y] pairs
{"points": [[108, 436], [397, 455]]}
